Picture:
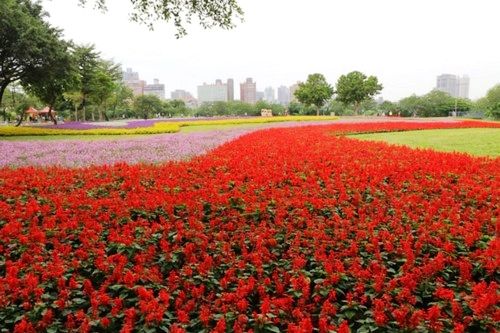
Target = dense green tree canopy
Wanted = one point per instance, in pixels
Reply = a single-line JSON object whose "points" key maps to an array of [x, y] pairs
{"points": [[315, 91], [356, 87], [103, 83], [493, 102], [412, 106], [28, 43], [147, 106], [56, 77], [433, 104], [208, 13]]}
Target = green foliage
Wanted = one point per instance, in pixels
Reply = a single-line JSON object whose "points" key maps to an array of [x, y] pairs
{"points": [[147, 106], [434, 104], [208, 13], [175, 108], [103, 84], [315, 91], [388, 107], [236, 108], [412, 106], [440, 104], [28, 44], [369, 107], [493, 102], [295, 108], [51, 81], [87, 60], [356, 87]]}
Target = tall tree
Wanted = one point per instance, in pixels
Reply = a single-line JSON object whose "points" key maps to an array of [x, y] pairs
{"points": [[26, 40], [56, 77], [121, 100], [356, 87], [75, 97], [315, 91], [208, 13], [102, 85], [87, 61]]}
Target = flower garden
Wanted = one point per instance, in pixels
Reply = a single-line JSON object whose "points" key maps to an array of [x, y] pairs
{"points": [[144, 127], [292, 229]]}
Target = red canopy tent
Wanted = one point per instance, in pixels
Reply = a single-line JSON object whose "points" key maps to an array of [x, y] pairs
{"points": [[35, 114], [32, 111], [46, 111]]}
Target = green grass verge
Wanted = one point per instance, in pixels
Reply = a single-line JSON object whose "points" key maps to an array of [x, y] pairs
{"points": [[475, 141]]}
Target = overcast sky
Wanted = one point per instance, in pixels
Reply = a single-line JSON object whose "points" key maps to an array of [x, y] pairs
{"points": [[405, 43]]}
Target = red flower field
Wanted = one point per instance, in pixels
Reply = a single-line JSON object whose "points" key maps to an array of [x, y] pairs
{"points": [[293, 229]]}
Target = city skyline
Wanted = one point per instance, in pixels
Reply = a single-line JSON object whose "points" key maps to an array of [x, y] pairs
{"points": [[454, 85], [404, 51]]}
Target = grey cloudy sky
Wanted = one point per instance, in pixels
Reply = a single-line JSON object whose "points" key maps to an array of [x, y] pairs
{"points": [[405, 43]]}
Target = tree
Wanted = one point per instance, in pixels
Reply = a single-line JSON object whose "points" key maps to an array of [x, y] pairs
{"points": [[388, 107], [209, 13], [315, 91], [121, 100], [295, 108], [441, 104], [335, 107], [56, 77], [26, 41], [87, 61], [102, 85], [75, 97], [493, 102], [147, 105], [413, 106], [356, 87], [175, 107], [277, 109]]}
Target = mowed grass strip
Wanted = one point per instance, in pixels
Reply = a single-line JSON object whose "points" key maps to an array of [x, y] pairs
{"points": [[474, 141]]}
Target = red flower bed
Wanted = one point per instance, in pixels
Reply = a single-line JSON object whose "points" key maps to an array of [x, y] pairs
{"points": [[290, 229]]}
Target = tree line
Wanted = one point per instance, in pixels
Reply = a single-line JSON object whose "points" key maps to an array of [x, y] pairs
{"points": [[354, 94]]}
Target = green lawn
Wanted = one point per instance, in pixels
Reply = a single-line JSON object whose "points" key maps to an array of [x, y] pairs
{"points": [[475, 141]]}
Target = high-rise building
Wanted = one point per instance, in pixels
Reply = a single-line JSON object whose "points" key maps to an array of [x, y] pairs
{"points": [[230, 89], [131, 80], [157, 89], [293, 88], [454, 85], [248, 91], [217, 92], [283, 95], [259, 96], [184, 96], [269, 95], [463, 89], [128, 75]]}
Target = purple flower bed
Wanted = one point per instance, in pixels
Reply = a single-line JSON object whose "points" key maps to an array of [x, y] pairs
{"points": [[78, 153], [150, 149], [129, 124]]}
